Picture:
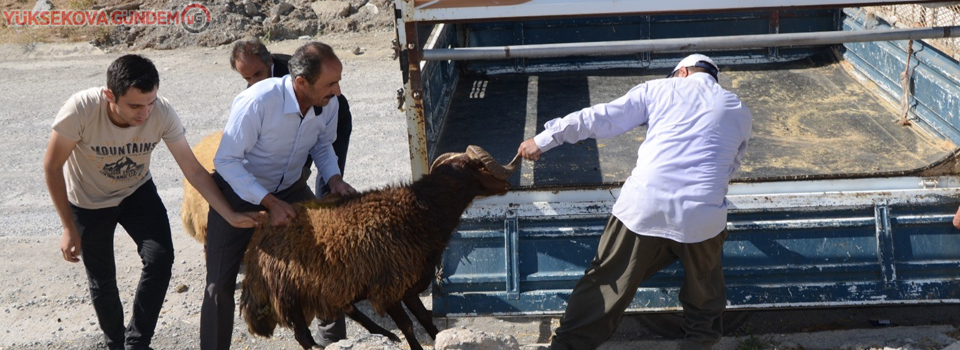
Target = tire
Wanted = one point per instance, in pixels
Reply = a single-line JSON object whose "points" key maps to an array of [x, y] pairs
{"points": [[667, 325]]}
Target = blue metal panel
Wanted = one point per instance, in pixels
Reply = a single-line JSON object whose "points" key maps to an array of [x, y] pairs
{"points": [[935, 94], [511, 243], [772, 258], [439, 80]]}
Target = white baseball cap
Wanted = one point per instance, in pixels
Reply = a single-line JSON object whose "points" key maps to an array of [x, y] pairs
{"points": [[698, 60]]}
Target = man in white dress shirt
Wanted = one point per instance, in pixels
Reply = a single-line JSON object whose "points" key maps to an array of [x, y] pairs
{"points": [[273, 126], [672, 207]]}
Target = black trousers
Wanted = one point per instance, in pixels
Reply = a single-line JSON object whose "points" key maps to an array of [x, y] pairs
{"points": [[344, 129], [624, 260], [226, 246], [144, 217]]}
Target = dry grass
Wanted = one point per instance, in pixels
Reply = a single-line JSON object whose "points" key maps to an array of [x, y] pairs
{"points": [[81, 4], [33, 35]]}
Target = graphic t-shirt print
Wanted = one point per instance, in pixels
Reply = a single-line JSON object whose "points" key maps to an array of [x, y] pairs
{"points": [[117, 161]]}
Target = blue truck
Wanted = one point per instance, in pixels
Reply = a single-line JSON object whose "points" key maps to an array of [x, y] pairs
{"points": [[846, 195]]}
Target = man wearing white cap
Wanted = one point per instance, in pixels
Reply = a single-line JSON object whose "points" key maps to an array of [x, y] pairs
{"points": [[672, 207]]}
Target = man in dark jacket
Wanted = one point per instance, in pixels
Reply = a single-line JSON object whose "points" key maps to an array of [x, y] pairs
{"points": [[254, 62]]}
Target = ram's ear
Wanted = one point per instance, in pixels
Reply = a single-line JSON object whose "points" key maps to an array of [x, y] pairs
{"points": [[461, 161]]}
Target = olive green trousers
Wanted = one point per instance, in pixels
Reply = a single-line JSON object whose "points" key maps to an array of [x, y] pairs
{"points": [[624, 260]]}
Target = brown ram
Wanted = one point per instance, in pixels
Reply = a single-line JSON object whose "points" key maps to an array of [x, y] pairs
{"points": [[380, 245]]}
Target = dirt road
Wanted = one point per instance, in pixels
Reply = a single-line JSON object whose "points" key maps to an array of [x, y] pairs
{"points": [[44, 300]]}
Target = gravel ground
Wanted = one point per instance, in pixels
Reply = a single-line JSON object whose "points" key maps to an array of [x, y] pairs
{"points": [[44, 302]]}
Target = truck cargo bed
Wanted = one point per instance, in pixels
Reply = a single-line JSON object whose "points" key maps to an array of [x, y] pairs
{"points": [[812, 118], [836, 205]]}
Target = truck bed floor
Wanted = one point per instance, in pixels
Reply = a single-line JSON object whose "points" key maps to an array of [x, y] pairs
{"points": [[810, 119]]}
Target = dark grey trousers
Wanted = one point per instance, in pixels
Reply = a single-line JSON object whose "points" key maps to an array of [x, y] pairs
{"points": [[226, 246], [624, 260]]}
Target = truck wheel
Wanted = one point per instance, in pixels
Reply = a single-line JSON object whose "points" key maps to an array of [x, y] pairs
{"points": [[667, 325]]}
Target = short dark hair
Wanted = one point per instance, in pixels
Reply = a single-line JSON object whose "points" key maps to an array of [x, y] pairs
{"points": [[249, 47], [132, 71], [306, 62]]}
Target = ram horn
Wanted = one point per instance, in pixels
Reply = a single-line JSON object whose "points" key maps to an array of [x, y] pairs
{"points": [[442, 158], [499, 171]]}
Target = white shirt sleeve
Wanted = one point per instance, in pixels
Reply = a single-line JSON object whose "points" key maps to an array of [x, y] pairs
{"points": [[600, 121], [239, 137], [742, 150]]}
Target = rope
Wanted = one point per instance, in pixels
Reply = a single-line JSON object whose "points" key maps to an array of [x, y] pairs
{"points": [[905, 85]]}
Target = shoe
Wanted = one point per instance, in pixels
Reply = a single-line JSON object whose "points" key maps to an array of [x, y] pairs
{"points": [[136, 347], [324, 342]]}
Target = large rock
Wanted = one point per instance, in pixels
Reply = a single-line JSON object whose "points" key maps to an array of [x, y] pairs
{"points": [[251, 8], [299, 22], [331, 9], [284, 8], [364, 342], [358, 3], [371, 9], [465, 339], [44, 5], [232, 20]]}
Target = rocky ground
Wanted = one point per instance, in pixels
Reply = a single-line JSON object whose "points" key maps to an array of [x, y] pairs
{"points": [[229, 20], [43, 299]]}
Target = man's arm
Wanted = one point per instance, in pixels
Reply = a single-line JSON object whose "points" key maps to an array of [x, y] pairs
{"points": [[529, 150], [324, 156], [956, 219], [58, 151], [280, 212], [600, 121], [338, 186], [746, 126], [203, 182]]}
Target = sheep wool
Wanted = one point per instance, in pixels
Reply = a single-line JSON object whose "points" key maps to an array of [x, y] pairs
{"points": [[375, 245], [193, 211]]}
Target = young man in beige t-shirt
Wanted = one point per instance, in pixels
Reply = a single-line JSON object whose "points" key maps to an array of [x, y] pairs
{"points": [[97, 169]]}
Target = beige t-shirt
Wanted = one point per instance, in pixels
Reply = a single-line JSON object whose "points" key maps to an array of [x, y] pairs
{"points": [[109, 162]]}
